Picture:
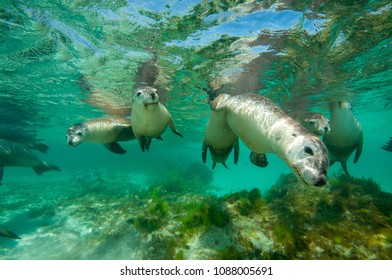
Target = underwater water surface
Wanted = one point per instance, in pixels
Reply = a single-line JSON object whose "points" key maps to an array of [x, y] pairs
{"points": [[65, 62]]}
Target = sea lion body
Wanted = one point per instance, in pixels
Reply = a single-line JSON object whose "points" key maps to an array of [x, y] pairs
{"points": [[150, 118], [106, 131], [314, 122], [19, 135], [346, 134], [219, 139], [17, 155], [265, 128]]}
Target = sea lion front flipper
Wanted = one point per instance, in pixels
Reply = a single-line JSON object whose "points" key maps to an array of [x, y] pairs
{"points": [[1, 174], [115, 148], [236, 151], [259, 160], [174, 129], [344, 165], [9, 234], [40, 147], [358, 151], [204, 149]]}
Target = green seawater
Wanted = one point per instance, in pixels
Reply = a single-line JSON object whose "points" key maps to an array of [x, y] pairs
{"points": [[64, 62]]}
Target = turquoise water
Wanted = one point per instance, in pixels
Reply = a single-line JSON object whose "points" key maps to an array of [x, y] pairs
{"points": [[63, 62]]}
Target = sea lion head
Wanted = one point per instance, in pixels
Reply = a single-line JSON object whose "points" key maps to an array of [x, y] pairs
{"points": [[309, 160], [339, 105], [316, 123], [76, 133], [146, 96]]}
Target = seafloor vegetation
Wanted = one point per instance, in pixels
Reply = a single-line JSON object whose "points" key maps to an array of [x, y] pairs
{"points": [[179, 219]]}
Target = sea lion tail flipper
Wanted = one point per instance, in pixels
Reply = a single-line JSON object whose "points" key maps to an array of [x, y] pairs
{"points": [[40, 147], [204, 152], [9, 234], [1, 174], [344, 165], [44, 167], [224, 164], [115, 148], [144, 142], [174, 129], [236, 151], [358, 151]]}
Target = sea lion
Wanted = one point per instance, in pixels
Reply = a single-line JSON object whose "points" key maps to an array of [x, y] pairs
{"points": [[15, 154], [314, 122], [219, 139], [388, 146], [8, 234], [19, 135], [150, 118], [106, 131], [346, 134], [265, 128]]}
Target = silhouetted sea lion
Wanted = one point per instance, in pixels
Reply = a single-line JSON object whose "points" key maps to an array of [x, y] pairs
{"points": [[19, 135], [17, 155]]}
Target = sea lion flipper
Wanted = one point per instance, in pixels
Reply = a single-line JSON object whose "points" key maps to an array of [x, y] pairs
{"points": [[344, 166], [115, 148], [9, 234], [358, 151], [1, 174], [44, 167], [144, 142], [174, 129], [236, 151], [40, 147], [224, 164], [204, 152]]}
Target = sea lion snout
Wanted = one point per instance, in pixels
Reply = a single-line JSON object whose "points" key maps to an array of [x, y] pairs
{"points": [[321, 181]]}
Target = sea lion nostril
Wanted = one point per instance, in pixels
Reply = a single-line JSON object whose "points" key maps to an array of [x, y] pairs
{"points": [[320, 182]]}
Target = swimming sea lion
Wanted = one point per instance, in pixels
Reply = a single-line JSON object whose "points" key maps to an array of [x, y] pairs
{"points": [[8, 234], [19, 135], [150, 118], [265, 128], [388, 146], [346, 134], [314, 122], [219, 139], [106, 131], [15, 154]]}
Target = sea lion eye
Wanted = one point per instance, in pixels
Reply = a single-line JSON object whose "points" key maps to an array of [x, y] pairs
{"points": [[138, 93], [311, 122], [308, 150], [79, 133]]}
